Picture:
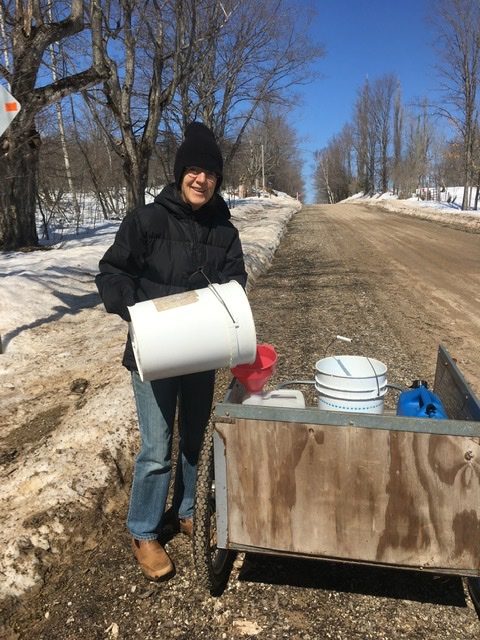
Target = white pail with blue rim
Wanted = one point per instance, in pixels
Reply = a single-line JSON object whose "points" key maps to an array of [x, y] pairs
{"points": [[354, 384]]}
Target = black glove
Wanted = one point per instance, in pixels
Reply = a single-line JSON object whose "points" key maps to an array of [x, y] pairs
{"points": [[128, 300]]}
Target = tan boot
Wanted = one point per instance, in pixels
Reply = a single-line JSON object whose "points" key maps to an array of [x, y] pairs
{"points": [[154, 561], [186, 526]]}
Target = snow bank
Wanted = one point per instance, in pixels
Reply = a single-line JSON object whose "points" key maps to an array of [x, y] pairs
{"points": [[444, 212]]}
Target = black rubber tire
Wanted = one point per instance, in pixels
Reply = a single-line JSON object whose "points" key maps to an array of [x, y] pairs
{"points": [[474, 590], [213, 566]]}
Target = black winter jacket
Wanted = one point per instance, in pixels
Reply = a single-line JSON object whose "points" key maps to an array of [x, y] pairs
{"points": [[160, 248]]}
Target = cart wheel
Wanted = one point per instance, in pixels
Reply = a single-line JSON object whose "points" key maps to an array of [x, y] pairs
{"points": [[474, 590], [213, 566]]}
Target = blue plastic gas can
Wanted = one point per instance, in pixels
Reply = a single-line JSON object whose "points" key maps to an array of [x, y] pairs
{"points": [[420, 403]]}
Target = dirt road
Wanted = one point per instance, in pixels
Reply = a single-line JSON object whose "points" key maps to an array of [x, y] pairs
{"points": [[396, 285]]}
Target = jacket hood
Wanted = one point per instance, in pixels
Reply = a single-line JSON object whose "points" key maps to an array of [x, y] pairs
{"points": [[171, 199]]}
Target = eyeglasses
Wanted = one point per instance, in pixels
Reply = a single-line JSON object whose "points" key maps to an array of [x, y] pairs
{"points": [[196, 171]]}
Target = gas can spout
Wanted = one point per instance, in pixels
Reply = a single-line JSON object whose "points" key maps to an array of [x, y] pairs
{"points": [[416, 384]]}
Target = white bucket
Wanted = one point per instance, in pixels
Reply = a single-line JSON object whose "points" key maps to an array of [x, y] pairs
{"points": [[349, 373], [351, 383], [351, 395], [193, 331], [353, 406]]}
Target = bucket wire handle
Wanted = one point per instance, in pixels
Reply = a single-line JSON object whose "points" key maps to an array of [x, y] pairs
{"points": [[217, 295], [341, 338], [376, 375], [345, 339]]}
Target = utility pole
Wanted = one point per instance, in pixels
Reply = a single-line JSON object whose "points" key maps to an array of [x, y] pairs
{"points": [[263, 169]]}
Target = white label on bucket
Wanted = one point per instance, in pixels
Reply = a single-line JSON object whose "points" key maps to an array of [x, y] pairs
{"points": [[176, 300]]}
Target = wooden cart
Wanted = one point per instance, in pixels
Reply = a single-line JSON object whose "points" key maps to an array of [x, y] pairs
{"points": [[373, 489]]}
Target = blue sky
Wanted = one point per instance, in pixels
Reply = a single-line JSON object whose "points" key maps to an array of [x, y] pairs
{"points": [[363, 38]]}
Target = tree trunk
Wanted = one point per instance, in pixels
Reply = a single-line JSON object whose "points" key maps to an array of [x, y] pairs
{"points": [[467, 169], [27, 35], [18, 190], [466, 198], [135, 171], [477, 192]]}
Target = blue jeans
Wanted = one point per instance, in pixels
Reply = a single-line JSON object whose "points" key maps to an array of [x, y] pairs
{"points": [[156, 406]]}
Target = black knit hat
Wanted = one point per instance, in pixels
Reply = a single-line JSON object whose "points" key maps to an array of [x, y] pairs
{"points": [[199, 149]]}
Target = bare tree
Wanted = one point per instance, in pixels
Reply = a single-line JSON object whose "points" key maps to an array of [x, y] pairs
{"points": [[54, 55], [282, 148], [398, 116], [451, 163], [255, 57], [457, 24], [148, 48], [97, 162], [366, 138], [373, 132], [219, 60], [416, 166], [322, 176], [269, 154], [384, 89], [333, 168], [29, 33]]}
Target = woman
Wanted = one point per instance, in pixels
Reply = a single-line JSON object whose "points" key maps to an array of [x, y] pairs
{"points": [[180, 242]]}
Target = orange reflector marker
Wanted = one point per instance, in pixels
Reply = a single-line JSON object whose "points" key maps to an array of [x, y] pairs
{"points": [[9, 109]]}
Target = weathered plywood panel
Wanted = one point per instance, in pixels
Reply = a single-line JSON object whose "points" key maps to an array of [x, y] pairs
{"points": [[369, 495]]}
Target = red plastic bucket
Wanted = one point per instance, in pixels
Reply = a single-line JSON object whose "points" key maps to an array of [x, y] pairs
{"points": [[254, 376]]}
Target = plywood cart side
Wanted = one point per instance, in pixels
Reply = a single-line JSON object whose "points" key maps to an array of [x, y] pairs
{"points": [[366, 488]]}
